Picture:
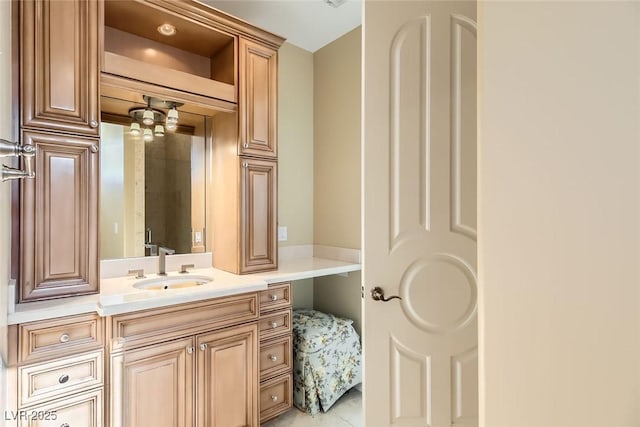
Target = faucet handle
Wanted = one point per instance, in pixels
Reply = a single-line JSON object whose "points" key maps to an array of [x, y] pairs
{"points": [[139, 273], [183, 267]]}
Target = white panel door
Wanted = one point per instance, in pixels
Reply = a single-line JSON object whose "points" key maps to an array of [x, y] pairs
{"points": [[419, 186]]}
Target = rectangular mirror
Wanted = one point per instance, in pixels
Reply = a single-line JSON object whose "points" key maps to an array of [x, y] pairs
{"points": [[152, 177]]}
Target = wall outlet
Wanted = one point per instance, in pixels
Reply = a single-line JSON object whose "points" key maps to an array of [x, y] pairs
{"points": [[197, 237], [282, 234]]}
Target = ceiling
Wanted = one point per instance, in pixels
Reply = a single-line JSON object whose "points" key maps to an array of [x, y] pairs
{"points": [[309, 24]]}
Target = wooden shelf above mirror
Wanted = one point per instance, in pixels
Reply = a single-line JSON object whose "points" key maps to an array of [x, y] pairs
{"points": [[197, 59]]}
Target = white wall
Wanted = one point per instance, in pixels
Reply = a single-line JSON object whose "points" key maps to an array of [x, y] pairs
{"points": [[6, 132], [559, 214]]}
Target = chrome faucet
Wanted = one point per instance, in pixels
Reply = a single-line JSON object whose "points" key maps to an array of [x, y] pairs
{"points": [[162, 252]]}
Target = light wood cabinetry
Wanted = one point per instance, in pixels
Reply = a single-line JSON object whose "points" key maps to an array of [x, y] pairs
{"points": [[59, 116], [244, 206], [59, 65], [57, 367], [258, 94], [187, 365], [59, 217], [276, 351], [154, 385]]}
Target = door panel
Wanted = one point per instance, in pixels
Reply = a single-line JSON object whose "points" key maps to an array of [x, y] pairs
{"points": [[153, 386], [258, 94], [59, 65], [59, 218], [419, 180], [228, 377], [259, 209]]}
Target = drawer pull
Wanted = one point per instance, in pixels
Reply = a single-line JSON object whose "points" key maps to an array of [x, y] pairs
{"points": [[64, 338], [274, 398], [63, 378], [274, 325], [274, 297], [273, 357]]}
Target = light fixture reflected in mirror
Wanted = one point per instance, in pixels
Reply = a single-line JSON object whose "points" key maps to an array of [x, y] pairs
{"points": [[134, 129], [153, 117]]}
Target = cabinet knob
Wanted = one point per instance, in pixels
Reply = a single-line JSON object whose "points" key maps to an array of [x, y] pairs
{"points": [[274, 398], [245, 145], [190, 349], [94, 148], [274, 325], [203, 346], [64, 425], [245, 164], [274, 297], [93, 124], [64, 338], [273, 357], [63, 378]]}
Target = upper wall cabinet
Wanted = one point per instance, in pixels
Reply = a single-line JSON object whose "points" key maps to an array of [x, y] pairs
{"points": [[258, 95], [59, 65]]}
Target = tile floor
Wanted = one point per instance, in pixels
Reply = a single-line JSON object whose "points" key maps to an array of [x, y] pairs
{"points": [[346, 412]]}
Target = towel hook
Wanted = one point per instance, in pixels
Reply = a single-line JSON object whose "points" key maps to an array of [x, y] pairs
{"points": [[13, 149]]}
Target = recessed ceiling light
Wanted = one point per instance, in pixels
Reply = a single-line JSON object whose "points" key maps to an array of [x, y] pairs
{"points": [[335, 3], [167, 29]]}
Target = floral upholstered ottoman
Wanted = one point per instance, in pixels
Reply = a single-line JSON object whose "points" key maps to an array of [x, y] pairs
{"points": [[326, 359]]}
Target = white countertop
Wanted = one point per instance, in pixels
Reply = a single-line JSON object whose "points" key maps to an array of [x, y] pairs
{"points": [[118, 295]]}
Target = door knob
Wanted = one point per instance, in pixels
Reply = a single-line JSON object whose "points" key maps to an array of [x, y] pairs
{"points": [[377, 294]]}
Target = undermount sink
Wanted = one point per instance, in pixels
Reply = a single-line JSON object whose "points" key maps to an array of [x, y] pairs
{"points": [[172, 282]]}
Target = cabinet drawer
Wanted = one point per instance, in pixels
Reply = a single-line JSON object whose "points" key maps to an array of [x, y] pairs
{"points": [[149, 326], [275, 397], [44, 381], [277, 296], [275, 357], [278, 323], [64, 336], [83, 410]]}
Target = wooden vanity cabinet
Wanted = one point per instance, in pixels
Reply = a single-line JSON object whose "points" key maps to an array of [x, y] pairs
{"points": [[59, 65], [190, 365], [59, 90], [57, 367], [59, 217], [258, 100], [276, 351]]}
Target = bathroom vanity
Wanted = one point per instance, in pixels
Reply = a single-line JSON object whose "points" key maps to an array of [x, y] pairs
{"points": [[104, 86]]}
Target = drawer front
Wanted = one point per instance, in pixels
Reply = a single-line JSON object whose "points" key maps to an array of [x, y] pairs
{"points": [[276, 297], [278, 323], [49, 380], [83, 410], [149, 326], [275, 357], [65, 336], [275, 397]]}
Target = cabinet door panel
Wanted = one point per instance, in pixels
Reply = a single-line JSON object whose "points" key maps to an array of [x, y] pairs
{"points": [[259, 201], [59, 218], [228, 374], [153, 386], [78, 410], [258, 99], [59, 65]]}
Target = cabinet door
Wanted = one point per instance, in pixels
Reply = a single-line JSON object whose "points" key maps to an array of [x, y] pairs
{"points": [[258, 99], [228, 377], [59, 218], [78, 410], [153, 386], [259, 201], [59, 65]]}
